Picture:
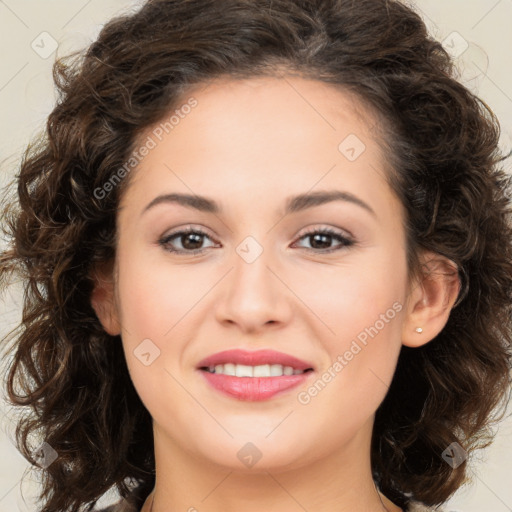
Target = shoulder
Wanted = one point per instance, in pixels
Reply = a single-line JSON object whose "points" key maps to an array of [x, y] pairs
{"points": [[416, 506], [116, 507], [120, 506], [111, 508], [133, 503]]}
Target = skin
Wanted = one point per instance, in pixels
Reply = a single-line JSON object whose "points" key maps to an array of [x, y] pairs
{"points": [[249, 145]]}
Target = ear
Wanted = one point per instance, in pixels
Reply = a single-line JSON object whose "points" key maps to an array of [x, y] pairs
{"points": [[431, 298], [103, 298]]}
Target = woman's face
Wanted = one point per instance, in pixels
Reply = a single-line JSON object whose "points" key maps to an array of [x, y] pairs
{"points": [[258, 274]]}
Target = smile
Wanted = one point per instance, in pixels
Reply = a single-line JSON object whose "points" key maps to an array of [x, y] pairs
{"points": [[263, 370], [253, 375]]}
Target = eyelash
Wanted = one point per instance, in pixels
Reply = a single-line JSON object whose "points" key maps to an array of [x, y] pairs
{"points": [[345, 241]]}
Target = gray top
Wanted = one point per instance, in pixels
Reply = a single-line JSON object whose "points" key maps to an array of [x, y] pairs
{"points": [[416, 506]]}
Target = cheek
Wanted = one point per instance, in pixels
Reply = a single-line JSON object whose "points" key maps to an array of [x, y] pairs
{"points": [[362, 352], [154, 295], [361, 307], [152, 303], [357, 302], [158, 302]]}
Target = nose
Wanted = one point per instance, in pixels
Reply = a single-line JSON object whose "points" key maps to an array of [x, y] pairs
{"points": [[255, 295]]}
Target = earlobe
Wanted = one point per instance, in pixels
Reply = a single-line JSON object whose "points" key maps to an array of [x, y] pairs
{"points": [[103, 300], [430, 300]]}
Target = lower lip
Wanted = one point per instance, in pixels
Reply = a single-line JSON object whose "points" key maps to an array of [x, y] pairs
{"points": [[253, 388]]}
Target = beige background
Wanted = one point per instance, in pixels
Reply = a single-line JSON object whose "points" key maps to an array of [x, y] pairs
{"points": [[478, 33]]}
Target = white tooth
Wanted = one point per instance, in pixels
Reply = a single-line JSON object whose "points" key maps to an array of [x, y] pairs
{"points": [[263, 370], [229, 369], [276, 370], [243, 370]]}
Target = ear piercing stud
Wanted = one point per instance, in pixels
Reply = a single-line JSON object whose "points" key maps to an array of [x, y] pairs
{"points": [[419, 330]]}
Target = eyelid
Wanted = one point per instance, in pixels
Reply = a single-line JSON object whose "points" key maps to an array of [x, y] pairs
{"points": [[191, 228], [345, 238], [325, 227]]}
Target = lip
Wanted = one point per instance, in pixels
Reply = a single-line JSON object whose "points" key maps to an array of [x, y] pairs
{"points": [[254, 358], [254, 388]]}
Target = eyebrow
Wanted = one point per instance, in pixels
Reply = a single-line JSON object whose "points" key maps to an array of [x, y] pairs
{"points": [[293, 204]]}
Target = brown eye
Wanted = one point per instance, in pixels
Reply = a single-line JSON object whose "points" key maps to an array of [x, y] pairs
{"points": [[190, 240], [321, 240]]}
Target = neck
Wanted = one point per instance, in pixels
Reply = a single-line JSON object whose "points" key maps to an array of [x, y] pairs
{"points": [[186, 482]]}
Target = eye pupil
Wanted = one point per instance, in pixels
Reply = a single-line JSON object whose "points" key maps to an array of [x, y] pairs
{"points": [[197, 240], [321, 237]]}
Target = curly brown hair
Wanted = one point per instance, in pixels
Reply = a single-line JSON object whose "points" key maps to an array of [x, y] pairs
{"points": [[443, 145]]}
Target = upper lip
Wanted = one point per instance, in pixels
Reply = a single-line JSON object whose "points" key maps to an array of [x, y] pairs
{"points": [[254, 358]]}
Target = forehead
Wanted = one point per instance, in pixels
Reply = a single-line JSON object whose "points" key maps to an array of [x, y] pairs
{"points": [[282, 134], [264, 101]]}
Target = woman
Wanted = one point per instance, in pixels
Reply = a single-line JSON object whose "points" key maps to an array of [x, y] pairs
{"points": [[268, 262]]}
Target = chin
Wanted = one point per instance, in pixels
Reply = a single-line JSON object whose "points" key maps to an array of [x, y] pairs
{"points": [[256, 454]]}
